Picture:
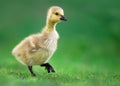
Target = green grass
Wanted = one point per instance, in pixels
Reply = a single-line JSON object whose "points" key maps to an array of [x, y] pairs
{"points": [[66, 75]]}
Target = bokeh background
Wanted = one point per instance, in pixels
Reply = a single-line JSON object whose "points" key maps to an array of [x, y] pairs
{"points": [[89, 40]]}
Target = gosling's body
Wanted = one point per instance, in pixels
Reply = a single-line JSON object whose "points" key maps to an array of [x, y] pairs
{"points": [[37, 49]]}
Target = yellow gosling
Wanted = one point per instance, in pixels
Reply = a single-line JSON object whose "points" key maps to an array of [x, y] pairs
{"points": [[37, 49]]}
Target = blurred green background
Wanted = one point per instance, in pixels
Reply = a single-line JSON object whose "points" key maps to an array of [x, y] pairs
{"points": [[89, 40]]}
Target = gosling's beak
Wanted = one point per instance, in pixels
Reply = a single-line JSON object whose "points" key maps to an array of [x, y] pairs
{"points": [[63, 18]]}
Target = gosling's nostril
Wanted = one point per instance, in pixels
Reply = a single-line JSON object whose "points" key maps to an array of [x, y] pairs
{"points": [[63, 18]]}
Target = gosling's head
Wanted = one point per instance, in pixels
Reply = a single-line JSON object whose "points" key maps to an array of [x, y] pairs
{"points": [[55, 14]]}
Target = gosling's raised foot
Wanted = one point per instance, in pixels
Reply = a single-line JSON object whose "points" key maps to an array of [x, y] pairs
{"points": [[48, 67], [31, 71]]}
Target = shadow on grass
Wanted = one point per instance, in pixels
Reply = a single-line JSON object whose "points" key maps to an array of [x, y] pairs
{"points": [[54, 77]]}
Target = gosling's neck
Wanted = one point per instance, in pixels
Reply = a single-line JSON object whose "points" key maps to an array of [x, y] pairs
{"points": [[49, 27]]}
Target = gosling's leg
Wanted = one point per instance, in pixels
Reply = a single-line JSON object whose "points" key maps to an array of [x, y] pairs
{"points": [[48, 67], [31, 71]]}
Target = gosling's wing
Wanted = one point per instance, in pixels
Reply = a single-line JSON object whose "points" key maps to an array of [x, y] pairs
{"points": [[36, 42]]}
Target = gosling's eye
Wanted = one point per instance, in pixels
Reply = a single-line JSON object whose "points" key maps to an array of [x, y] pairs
{"points": [[56, 13]]}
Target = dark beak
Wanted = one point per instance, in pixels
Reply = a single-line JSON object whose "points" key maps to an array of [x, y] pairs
{"points": [[63, 18]]}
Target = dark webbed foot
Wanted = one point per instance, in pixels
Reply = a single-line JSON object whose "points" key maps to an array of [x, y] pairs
{"points": [[31, 71], [48, 67]]}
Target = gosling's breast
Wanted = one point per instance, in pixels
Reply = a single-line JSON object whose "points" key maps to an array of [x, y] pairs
{"points": [[51, 41]]}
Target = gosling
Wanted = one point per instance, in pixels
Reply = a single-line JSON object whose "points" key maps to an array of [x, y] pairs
{"points": [[37, 49]]}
